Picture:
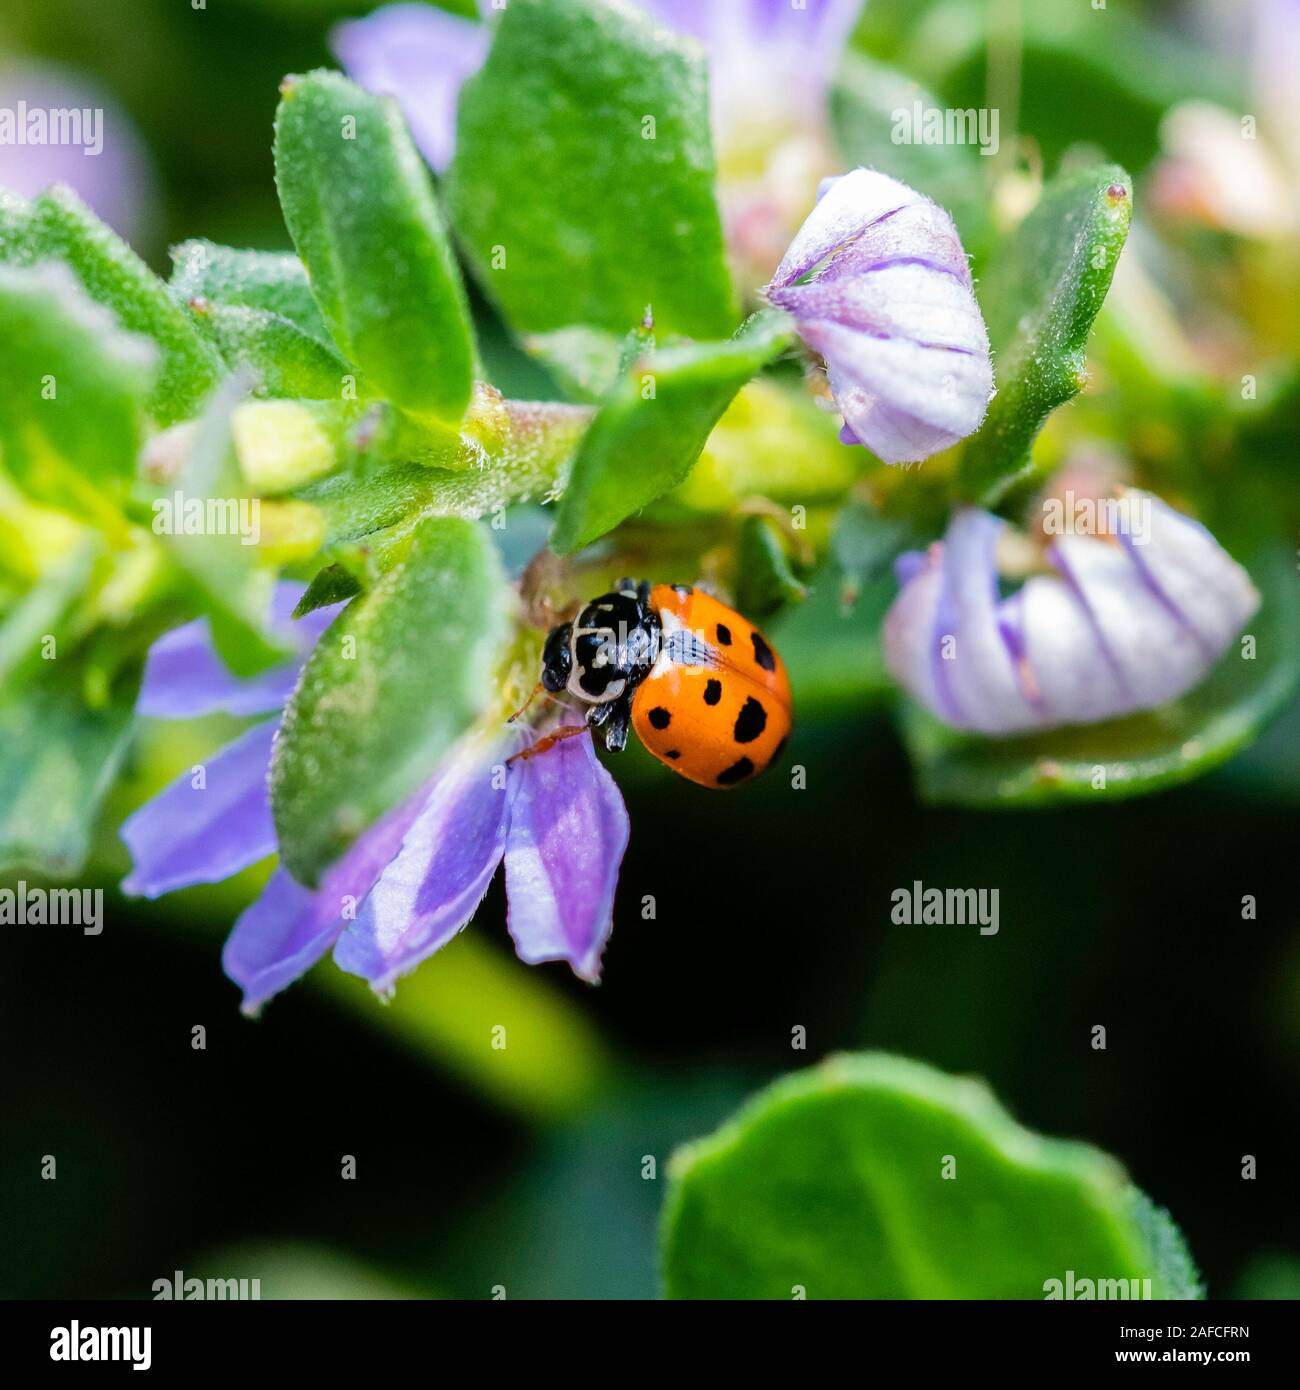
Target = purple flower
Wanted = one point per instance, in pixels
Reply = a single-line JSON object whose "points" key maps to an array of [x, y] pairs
{"points": [[1127, 622], [770, 61], [216, 820], [558, 821], [412, 880], [97, 152], [420, 55], [878, 284]]}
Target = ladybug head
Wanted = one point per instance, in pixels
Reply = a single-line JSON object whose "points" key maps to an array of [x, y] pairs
{"points": [[557, 658]]}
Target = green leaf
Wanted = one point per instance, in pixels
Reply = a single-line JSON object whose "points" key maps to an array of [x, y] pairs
{"points": [[569, 211], [57, 760], [333, 584], [287, 362], [235, 591], [57, 226], [73, 388], [653, 424], [765, 582], [360, 206], [270, 280], [1140, 754], [1043, 288], [399, 676], [832, 1181]]}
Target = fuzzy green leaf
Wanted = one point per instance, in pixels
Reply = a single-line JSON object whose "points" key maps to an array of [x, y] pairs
{"points": [[1043, 288], [359, 204], [286, 361], [400, 675], [582, 187], [653, 424], [877, 1177], [57, 226], [270, 280], [73, 389]]}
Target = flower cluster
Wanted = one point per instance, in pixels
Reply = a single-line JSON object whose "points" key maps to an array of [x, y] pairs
{"points": [[878, 285]]}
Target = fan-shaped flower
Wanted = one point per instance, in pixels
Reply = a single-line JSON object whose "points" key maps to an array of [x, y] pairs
{"points": [[1119, 626], [411, 881], [878, 284]]}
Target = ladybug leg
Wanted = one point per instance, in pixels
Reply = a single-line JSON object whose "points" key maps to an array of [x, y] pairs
{"points": [[616, 726], [542, 744], [614, 718]]}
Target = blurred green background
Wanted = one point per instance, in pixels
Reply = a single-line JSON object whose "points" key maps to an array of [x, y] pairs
{"points": [[523, 1167]]}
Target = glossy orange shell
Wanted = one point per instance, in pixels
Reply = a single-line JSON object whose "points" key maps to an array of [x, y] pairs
{"points": [[722, 718]]}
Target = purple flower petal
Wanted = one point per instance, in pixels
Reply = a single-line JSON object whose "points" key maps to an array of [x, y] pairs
{"points": [[849, 207], [108, 169], [806, 39], [184, 677], [290, 927], [1120, 627], [188, 835], [438, 878], [568, 831], [421, 55], [888, 304], [981, 676]]}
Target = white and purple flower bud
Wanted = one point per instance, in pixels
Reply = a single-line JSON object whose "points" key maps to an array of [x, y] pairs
{"points": [[878, 284], [1120, 626]]}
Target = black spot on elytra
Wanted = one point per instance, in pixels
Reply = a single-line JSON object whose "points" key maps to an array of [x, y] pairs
{"points": [[712, 692], [673, 753], [763, 653], [724, 634], [659, 717], [737, 772], [750, 722]]}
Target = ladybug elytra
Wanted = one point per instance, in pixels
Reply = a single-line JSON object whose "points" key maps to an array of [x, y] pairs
{"points": [[704, 690]]}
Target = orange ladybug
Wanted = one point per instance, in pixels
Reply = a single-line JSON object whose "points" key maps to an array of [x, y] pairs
{"points": [[704, 689]]}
